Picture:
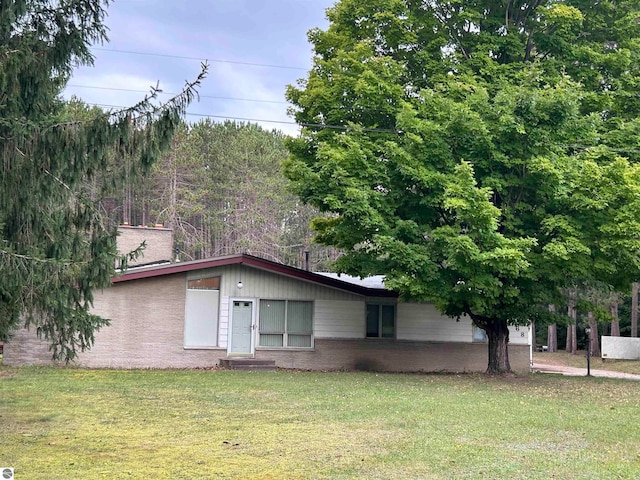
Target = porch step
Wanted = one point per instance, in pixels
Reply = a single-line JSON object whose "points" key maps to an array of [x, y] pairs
{"points": [[247, 364]]}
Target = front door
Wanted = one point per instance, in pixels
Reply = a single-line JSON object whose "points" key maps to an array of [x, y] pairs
{"points": [[241, 328]]}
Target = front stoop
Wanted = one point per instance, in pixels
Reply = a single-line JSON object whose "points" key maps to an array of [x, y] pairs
{"points": [[247, 364]]}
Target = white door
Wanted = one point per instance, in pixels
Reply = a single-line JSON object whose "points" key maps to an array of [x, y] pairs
{"points": [[241, 328]]}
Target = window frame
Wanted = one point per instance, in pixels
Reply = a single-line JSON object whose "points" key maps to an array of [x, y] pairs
{"points": [[285, 333], [380, 328]]}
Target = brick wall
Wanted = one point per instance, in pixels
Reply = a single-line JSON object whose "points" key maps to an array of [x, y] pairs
{"points": [[357, 354], [25, 348], [159, 243], [394, 356]]}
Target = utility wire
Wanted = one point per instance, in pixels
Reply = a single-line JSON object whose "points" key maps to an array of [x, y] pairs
{"points": [[342, 127], [233, 62], [169, 93], [283, 122]]}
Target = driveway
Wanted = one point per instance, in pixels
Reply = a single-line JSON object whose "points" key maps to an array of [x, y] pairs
{"points": [[581, 372]]}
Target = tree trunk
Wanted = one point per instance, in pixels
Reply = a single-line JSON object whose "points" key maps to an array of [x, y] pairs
{"points": [[634, 309], [552, 334], [552, 338], [498, 335], [572, 340], [595, 339], [615, 323]]}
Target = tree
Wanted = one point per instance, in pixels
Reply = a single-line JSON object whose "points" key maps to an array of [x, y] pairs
{"points": [[634, 309], [552, 333], [56, 247], [593, 344], [615, 323], [221, 189], [470, 151], [572, 336]]}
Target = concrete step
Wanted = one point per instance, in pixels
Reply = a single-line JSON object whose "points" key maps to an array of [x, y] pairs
{"points": [[253, 367], [247, 364]]}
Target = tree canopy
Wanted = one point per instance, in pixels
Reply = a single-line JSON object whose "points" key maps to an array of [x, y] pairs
{"points": [[220, 188], [56, 246], [480, 154]]}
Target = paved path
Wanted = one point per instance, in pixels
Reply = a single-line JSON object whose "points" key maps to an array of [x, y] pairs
{"points": [[581, 372]]}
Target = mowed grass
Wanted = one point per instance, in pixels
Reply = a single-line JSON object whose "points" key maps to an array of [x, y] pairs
{"points": [[207, 424], [580, 361]]}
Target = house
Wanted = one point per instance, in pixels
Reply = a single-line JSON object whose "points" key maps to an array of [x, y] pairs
{"points": [[199, 313]]}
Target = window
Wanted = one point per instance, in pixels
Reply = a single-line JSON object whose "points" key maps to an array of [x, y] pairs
{"points": [[209, 283], [201, 312], [381, 320], [479, 335], [286, 323]]}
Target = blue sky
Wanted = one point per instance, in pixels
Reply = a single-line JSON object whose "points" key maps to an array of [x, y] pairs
{"points": [[223, 31]]}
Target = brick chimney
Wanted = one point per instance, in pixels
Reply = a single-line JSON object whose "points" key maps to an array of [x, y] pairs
{"points": [[159, 246]]}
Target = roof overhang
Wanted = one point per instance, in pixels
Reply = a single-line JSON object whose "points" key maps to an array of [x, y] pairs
{"points": [[254, 262]]}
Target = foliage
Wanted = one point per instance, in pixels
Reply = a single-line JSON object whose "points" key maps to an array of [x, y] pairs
{"points": [[473, 150], [55, 245], [221, 189], [68, 423]]}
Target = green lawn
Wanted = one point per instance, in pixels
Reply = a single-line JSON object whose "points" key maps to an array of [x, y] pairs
{"points": [[202, 424]]}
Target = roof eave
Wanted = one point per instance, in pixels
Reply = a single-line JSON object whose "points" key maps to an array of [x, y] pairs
{"points": [[256, 262]]}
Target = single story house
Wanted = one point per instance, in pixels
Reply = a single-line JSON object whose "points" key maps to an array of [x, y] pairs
{"points": [[199, 313]]}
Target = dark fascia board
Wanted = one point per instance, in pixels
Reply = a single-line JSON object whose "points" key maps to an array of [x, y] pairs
{"points": [[255, 262]]}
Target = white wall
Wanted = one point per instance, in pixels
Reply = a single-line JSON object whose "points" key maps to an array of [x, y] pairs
{"points": [[422, 321], [623, 348], [339, 319]]}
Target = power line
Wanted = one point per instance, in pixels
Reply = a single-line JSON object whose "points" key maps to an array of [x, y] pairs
{"points": [[233, 62], [341, 127], [282, 122], [170, 93]]}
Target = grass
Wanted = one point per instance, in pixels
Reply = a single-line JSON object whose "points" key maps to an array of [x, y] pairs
{"points": [[208, 424], [580, 361]]}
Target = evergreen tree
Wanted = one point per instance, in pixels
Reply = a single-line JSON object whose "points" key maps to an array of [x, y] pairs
{"points": [[221, 188], [55, 245]]}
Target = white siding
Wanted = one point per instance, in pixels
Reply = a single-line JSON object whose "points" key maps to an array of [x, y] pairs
{"points": [[223, 334], [339, 319], [337, 314], [421, 321], [262, 284]]}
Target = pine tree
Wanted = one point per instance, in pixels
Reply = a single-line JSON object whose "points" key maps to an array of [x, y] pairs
{"points": [[55, 245]]}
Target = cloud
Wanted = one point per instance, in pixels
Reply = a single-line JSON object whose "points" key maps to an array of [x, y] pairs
{"points": [[250, 83], [271, 33], [109, 88]]}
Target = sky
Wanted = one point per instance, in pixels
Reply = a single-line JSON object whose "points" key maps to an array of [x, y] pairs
{"points": [[255, 48]]}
